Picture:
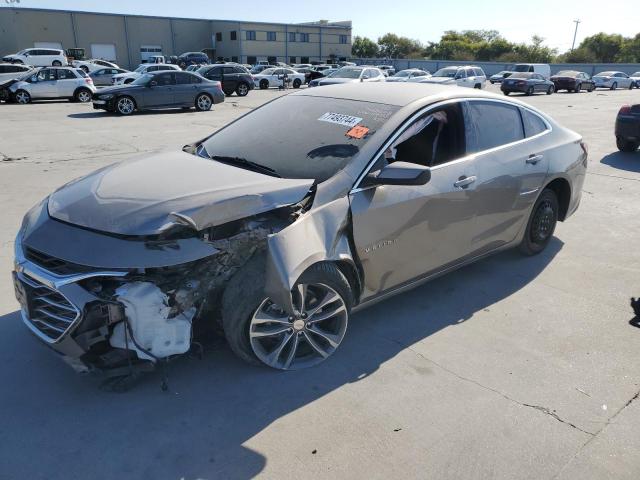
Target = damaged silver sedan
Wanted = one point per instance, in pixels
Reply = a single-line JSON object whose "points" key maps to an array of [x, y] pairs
{"points": [[281, 224]]}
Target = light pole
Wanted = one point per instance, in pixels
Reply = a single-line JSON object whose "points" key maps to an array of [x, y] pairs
{"points": [[577, 22]]}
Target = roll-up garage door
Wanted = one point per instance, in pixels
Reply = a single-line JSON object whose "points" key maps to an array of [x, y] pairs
{"points": [[103, 51]]}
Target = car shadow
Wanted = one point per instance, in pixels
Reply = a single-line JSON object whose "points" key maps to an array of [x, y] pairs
{"points": [[102, 113], [623, 161], [214, 406]]}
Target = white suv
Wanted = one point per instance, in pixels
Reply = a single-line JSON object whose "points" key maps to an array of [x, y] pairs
{"points": [[38, 57], [124, 78], [48, 83], [467, 76]]}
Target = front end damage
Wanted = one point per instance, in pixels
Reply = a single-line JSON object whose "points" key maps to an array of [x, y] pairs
{"points": [[121, 321]]}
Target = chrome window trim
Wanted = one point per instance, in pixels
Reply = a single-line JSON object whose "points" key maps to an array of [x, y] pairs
{"points": [[356, 186]]}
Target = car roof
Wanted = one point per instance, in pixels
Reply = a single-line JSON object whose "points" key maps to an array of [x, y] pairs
{"points": [[393, 93]]}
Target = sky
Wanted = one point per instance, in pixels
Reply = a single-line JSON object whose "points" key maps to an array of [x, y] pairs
{"points": [[424, 20]]}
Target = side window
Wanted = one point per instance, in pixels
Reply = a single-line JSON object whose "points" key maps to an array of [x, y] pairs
{"points": [[152, 69], [66, 75], [470, 72], [228, 70], [491, 124], [435, 138], [479, 72], [182, 78], [461, 74], [46, 75], [533, 124], [165, 79]]}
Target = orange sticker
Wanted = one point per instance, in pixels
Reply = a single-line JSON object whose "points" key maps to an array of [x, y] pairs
{"points": [[357, 132]]}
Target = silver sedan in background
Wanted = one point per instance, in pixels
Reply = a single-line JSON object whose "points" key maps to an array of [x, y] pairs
{"points": [[613, 80], [410, 74], [102, 77]]}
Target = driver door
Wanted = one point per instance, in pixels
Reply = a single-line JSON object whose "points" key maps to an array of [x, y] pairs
{"points": [[162, 94], [45, 85], [403, 232]]}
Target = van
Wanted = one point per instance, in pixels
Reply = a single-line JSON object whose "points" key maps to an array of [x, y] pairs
{"points": [[38, 57], [542, 68]]}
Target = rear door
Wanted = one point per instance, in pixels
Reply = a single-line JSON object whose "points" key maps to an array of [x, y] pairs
{"points": [[510, 169], [230, 75], [67, 82], [186, 88]]}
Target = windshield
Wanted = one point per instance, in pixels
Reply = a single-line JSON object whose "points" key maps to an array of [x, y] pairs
{"points": [[636, 74], [143, 80], [322, 143], [522, 68], [446, 72], [268, 71], [347, 72], [567, 73], [141, 68], [606, 74], [403, 73], [521, 75], [21, 52]]}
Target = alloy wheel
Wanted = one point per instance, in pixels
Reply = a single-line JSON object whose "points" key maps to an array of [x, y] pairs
{"points": [[84, 96], [243, 89], [125, 106], [305, 339], [204, 102], [22, 98]]}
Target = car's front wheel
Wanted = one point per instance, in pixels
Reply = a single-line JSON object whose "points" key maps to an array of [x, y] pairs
{"points": [[626, 145], [550, 90], [125, 105], [261, 332], [614, 86], [542, 223], [242, 90], [529, 91], [264, 84], [297, 83], [22, 97], [203, 102]]}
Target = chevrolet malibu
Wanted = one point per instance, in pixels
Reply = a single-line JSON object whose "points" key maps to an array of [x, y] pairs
{"points": [[279, 236]]}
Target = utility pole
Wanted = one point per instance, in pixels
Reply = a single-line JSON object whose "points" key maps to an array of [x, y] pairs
{"points": [[577, 22]]}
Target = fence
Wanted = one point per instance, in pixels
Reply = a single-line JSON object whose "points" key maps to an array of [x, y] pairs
{"points": [[494, 67]]}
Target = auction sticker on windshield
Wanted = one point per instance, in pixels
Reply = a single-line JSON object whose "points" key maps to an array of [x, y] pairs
{"points": [[340, 119]]}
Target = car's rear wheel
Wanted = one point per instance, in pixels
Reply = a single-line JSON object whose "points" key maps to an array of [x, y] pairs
{"points": [[541, 224], [83, 95], [506, 93], [529, 91], [550, 90], [203, 102], [242, 90], [22, 97], [260, 332], [614, 86], [57, 63], [631, 86], [125, 105], [578, 88], [297, 83], [264, 84], [591, 88], [626, 145]]}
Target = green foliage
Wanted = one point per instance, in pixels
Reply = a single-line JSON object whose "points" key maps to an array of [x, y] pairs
{"points": [[605, 47], [364, 47], [394, 46]]}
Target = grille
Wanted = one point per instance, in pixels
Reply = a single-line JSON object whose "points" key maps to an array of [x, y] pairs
{"points": [[48, 310], [55, 265]]}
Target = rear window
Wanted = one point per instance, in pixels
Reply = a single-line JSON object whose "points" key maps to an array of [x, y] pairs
{"points": [[323, 141], [491, 124]]}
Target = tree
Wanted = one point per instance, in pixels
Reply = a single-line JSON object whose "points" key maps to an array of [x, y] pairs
{"points": [[394, 46], [630, 51], [364, 47], [579, 55], [605, 47]]}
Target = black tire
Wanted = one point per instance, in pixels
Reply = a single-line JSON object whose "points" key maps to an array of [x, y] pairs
{"points": [[591, 88], [264, 84], [297, 83], [578, 88], [631, 86], [491, 82], [57, 63], [82, 95], [22, 97], [242, 90], [614, 86], [245, 292], [542, 223], [626, 145], [125, 105], [529, 91], [506, 93], [550, 90], [204, 102]]}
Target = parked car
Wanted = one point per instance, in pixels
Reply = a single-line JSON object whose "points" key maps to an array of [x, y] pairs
{"points": [[527, 83], [192, 58], [38, 57], [125, 78], [9, 71], [351, 75], [273, 77], [234, 78], [157, 59], [279, 238], [54, 82], [5, 85], [636, 78], [499, 77], [628, 128], [92, 65], [326, 68], [410, 74], [388, 70], [573, 81], [466, 76], [541, 68], [298, 66], [613, 80], [159, 90], [309, 74], [194, 67], [104, 76]]}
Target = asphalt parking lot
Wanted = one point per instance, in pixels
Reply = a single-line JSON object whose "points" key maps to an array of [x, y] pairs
{"points": [[512, 368]]}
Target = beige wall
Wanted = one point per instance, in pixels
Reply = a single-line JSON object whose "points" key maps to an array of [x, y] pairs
{"points": [[29, 27], [102, 29]]}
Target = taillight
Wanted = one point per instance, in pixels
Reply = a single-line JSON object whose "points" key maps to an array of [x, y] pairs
{"points": [[88, 80], [624, 110]]}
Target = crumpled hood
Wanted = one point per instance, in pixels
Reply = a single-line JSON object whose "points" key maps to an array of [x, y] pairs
{"points": [[336, 81], [439, 80], [140, 197]]}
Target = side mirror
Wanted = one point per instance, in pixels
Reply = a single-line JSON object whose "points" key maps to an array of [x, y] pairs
{"points": [[364, 77], [400, 173], [152, 83]]}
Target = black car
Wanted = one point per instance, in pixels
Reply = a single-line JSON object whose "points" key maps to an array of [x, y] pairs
{"points": [[309, 74], [573, 81], [628, 128], [234, 78], [191, 58], [527, 83], [157, 90]]}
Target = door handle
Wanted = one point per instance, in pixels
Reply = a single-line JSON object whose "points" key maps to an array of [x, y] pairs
{"points": [[464, 182], [533, 159]]}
